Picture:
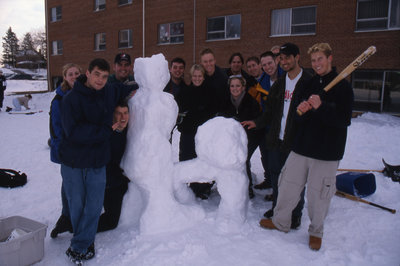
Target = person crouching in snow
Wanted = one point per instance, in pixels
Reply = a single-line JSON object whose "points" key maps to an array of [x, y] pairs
{"points": [[20, 101]]}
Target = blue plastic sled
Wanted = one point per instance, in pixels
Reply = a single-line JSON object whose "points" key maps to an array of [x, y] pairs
{"points": [[357, 184]]}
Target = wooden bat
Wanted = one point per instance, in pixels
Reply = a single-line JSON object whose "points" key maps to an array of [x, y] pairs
{"points": [[360, 170], [349, 69], [351, 197]]}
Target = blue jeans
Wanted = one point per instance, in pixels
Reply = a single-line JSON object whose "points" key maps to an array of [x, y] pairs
{"points": [[84, 189]]}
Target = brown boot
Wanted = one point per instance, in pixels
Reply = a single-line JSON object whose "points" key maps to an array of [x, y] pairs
{"points": [[268, 224], [315, 243]]}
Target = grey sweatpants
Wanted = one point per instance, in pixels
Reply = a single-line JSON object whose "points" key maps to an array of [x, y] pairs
{"points": [[320, 177]]}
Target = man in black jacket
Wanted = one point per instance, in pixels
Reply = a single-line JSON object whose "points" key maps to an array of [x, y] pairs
{"points": [[279, 116], [87, 116], [319, 145]]}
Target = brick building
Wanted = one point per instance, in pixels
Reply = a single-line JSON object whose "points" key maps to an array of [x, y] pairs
{"points": [[79, 31]]}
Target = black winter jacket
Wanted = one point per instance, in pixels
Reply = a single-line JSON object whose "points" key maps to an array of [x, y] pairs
{"points": [[272, 116], [86, 117], [199, 104], [248, 109], [322, 132]]}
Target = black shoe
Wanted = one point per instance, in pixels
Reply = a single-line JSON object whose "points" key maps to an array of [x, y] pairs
{"points": [[296, 222], [74, 257], [269, 213], [89, 253], [8, 109], [63, 225], [268, 197], [264, 185]]}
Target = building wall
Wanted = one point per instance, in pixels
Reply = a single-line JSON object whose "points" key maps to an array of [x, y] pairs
{"points": [[335, 25]]}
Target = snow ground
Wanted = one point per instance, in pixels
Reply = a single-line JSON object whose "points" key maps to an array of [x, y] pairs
{"points": [[355, 233]]}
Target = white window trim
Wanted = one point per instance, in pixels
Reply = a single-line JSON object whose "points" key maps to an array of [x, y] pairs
{"points": [[291, 24], [55, 48], [130, 39], [97, 41], [129, 3], [97, 6], [388, 28], [55, 19], [169, 30], [225, 38]]}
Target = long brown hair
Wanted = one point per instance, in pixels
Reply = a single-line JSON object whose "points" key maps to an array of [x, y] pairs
{"points": [[64, 85]]}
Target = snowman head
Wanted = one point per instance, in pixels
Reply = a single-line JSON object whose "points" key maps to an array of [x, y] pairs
{"points": [[152, 73]]}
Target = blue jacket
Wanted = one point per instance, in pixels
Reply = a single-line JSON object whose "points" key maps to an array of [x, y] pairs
{"points": [[55, 124], [86, 116]]}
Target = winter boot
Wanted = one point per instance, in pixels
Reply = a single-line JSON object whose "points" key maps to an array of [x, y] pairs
{"points": [[63, 225], [315, 243]]}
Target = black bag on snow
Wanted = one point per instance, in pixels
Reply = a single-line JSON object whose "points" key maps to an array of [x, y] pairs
{"points": [[11, 178]]}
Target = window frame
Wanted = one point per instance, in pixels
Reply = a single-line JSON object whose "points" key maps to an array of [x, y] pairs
{"points": [[98, 37], [56, 16], [57, 47], [377, 93], [387, 18], [99, 7], [128, 2], [291, 25], [170, 36], [129, 41], [225, 38]]}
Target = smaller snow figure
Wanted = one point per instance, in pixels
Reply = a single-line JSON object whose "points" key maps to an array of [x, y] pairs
{"points": [[221, 148], [148, 155]]}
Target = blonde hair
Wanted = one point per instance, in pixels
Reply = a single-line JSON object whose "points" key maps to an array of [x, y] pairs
{"points": [[198, 68], [64, 85], [323, 47]]}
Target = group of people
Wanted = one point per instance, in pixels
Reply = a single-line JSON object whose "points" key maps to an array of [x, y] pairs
{"points": [[299, 128]]}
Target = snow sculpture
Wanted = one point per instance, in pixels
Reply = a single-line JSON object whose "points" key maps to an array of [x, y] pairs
{"points": [[221, 147], [148, 156]]}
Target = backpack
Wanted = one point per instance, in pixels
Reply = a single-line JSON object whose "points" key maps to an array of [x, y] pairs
{"points": [[11, 178]]}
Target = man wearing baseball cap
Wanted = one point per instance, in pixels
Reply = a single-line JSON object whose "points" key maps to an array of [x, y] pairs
{"points": [[122, 69]]}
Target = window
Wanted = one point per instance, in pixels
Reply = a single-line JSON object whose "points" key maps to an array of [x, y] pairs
{"points": [[56, 13], [100, 41], [227, 27], [99, 5], [293, 21], [170, 33], [376, 90], [124, 2], [57, 47], [125, 38], [378, 14]]}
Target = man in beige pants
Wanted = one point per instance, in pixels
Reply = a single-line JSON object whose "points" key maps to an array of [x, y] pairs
{"points": [[318, 147]]}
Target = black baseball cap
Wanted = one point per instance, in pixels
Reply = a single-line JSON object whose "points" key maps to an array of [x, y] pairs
{"points": [[122, 57], [289, 49]]}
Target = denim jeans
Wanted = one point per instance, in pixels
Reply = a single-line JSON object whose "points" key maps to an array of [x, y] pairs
{"points": [[84, 189]]}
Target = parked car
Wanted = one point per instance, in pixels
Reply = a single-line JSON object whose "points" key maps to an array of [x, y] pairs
{"points": [[21, 76]]}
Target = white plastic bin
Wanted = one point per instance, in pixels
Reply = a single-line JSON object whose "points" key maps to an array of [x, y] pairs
{"points": [[25, 249]]}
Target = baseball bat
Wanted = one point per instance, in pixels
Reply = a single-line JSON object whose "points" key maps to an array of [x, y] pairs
{"points": [[349, 69], [351, 197]]}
